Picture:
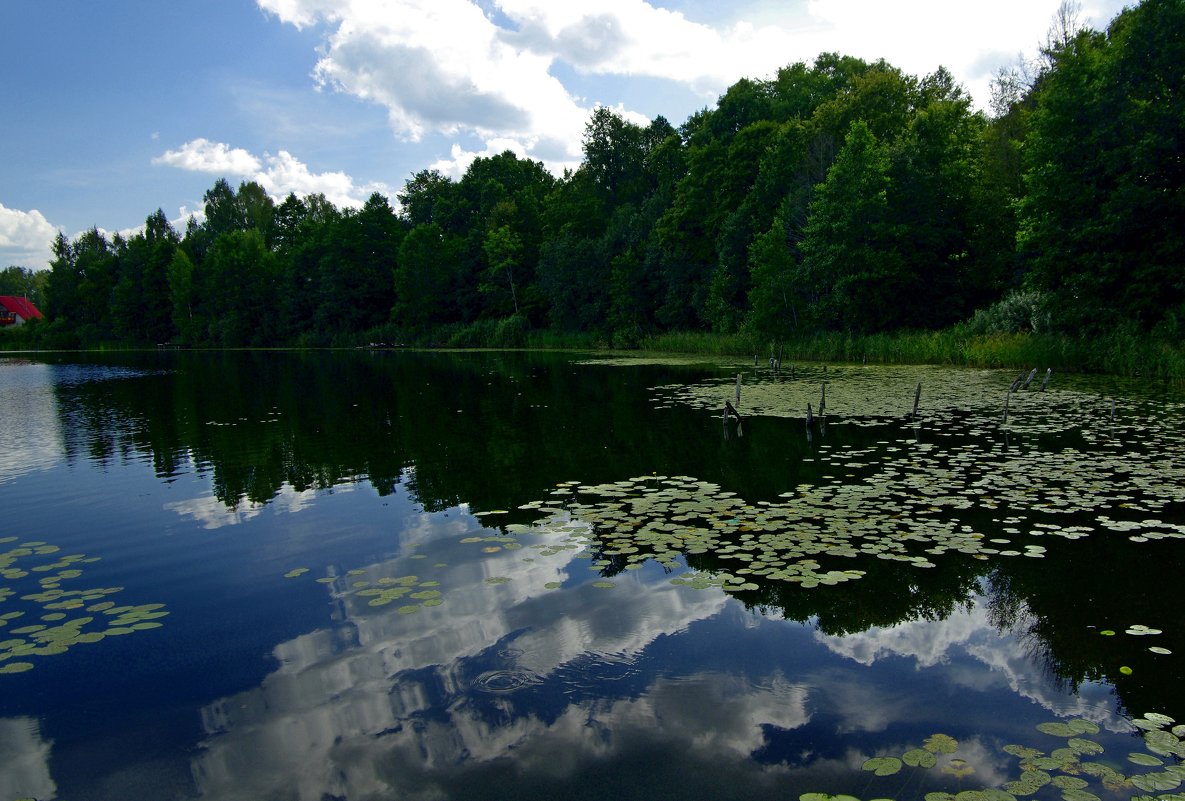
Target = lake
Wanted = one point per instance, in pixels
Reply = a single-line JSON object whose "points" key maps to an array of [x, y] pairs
{"points": [[380, 575]]}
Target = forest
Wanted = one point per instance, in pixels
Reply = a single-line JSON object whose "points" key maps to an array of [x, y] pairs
{"points": [[839, 196]]}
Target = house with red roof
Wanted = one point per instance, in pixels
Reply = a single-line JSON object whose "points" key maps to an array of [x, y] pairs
{"points": [[16, 311]]}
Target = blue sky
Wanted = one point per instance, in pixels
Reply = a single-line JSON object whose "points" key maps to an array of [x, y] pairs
{"points": [[110, 110]]}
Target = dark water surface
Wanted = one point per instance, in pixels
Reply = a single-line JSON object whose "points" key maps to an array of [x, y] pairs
{"points": [[509, 575]]}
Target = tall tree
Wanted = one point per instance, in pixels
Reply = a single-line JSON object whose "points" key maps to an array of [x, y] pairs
{"points": [[850, 263], [1101, 225]]}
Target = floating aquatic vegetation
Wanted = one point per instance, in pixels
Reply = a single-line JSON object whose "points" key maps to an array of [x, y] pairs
{"points": [[1070, 770], [62, 627], [883, 766]]}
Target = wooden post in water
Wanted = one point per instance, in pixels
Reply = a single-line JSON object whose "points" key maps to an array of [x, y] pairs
{"points": [[1029, 380], [810, 418], [1016, 382], [738, 389], [1048, 375], [917, 396], [823, 401]]}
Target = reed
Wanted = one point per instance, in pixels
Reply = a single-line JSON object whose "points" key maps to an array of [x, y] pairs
{"points": [[1121, 353]]}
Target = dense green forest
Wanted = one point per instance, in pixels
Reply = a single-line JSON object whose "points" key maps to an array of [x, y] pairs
{"points": [[838, 196]]}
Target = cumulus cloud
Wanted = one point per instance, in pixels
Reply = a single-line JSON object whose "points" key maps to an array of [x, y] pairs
{"points": [[279, 174], [972, 40], [25, 238], [216, 158], [450, 67]]}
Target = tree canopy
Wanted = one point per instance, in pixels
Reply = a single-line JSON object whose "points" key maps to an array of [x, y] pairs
{"points": [[839, 195]]}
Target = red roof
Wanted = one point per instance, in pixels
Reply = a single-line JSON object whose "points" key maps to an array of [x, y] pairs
{"points": [[21, 306]]}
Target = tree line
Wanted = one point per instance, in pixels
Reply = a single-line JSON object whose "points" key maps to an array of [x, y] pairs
{"points": [[839, 195]]}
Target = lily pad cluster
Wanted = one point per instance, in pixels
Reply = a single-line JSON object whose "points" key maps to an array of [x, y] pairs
{"points": [[801, 539], [416, 592], [1077, 770], [868, 395], [41, 614]]}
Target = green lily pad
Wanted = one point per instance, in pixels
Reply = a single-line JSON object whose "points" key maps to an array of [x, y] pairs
{"points": [[1147, 760], [919, 758], [1057, 729], [959, 768], [1022, 751], [1156, 782], [940, 744], [1083, 746], [16, 667], [882, 766]]}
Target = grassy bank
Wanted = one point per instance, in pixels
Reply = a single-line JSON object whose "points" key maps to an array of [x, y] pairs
{"points": [[1120, 354]]}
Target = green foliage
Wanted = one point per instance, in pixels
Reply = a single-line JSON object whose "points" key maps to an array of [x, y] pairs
{"points": [[823, 208], [1103, 218], [1018, 311], [850, 265]]}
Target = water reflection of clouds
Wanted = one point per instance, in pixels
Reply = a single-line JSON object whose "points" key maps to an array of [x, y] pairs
{"points": [[32, 430], [24, 760], [970, 632], [389, 689], [212, 513], [560, 683]]}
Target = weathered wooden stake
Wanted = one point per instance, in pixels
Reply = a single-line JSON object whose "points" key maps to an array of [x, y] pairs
{"points": [[1048, 375], [810, 418], [1029, 380], [1016, 382], [823, 401], [917, 396]]}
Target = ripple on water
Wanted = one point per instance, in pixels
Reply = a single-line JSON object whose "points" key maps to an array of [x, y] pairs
{"points": [[505, 681], [590, 670]]}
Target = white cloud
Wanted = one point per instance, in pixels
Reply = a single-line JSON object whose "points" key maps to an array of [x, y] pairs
{"points": [[970, 632], [25, 238], [448, 67], [216, 158], [459, 158], [24, 759], [278, 174]]}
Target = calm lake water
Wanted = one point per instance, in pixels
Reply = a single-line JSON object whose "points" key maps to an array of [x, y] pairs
{"points": [[549, 576]]}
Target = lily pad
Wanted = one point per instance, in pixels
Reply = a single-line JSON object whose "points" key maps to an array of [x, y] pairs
{"points": [[1147, 760], [919, 758], [940, 744], [882, 766], [16, 667]]}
